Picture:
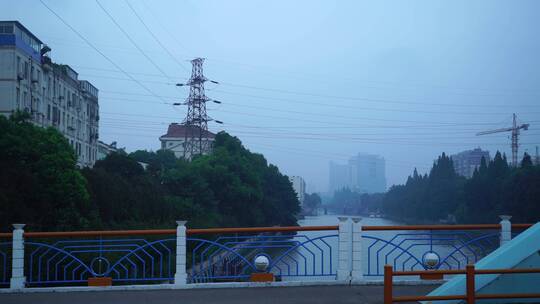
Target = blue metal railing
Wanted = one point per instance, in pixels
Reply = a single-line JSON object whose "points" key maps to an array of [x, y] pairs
{"points": [[408, 250], [124, 260], [231, 257], [149, 256]]}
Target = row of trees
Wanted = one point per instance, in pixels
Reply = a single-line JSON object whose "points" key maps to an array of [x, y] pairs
{"points": [[41, 186], [494, 189], [347, 201]]}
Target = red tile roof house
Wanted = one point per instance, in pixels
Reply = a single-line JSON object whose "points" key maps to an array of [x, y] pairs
{"points": [[178, 133]]}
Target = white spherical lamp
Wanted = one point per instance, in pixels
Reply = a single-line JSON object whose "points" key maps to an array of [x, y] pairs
{"points": [[261, 262]]}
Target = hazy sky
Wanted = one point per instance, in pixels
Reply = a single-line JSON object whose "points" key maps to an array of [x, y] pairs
{"points": [[307, 82]]}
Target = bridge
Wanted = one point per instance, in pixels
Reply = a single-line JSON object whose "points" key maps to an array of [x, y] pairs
{"points": [[339, 264]]}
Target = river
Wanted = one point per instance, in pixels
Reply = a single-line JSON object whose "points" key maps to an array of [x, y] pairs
{"points": [[316, 258]]}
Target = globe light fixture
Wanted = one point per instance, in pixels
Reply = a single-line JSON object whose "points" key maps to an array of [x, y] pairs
{"points": [[261, 262], [430, 260]]}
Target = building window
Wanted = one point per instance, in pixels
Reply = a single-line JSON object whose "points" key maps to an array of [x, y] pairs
{"points": [[18, 65], [18, 97], [48, 112], [25, 70], [6, 29]]}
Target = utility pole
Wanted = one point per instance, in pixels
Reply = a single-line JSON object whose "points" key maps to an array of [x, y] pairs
{"points": [[196, 135]]}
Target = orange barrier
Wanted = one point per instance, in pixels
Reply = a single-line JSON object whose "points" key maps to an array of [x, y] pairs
{"points": [[260, 229], [444, 227], [470, 297], [255, 230], [169, 231]]}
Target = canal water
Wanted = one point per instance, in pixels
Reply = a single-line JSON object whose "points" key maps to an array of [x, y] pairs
{"points": [[315, 259]]}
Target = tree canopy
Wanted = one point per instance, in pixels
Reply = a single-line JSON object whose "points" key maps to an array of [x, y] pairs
{"points": [[40, 185], [494, 189], [39, 182]]}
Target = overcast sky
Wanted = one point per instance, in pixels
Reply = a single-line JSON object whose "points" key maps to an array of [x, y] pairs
{"points": [[308, 82]]}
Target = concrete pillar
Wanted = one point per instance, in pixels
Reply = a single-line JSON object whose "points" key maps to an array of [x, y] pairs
{"points": [[17, 260], [506, 229], [180, 277], [357, 273], [344, 249]]}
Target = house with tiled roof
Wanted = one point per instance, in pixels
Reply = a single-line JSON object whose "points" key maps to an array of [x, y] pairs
{"points": [[177, 135]]}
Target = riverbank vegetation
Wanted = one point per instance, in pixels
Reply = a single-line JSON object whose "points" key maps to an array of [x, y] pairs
{"points": [[496, 188], [41, 186]]}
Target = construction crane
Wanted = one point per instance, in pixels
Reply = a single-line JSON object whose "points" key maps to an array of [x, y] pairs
{"points": [[515, 135]]}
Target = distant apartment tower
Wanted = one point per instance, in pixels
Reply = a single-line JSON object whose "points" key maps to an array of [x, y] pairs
{"points": [[338, 177], [299, 186], [175, 138], [367, 173], [51, 93], [363, 173], [467, 161]]}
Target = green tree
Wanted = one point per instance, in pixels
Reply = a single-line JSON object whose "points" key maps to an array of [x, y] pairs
{"points": [[39, 182]]}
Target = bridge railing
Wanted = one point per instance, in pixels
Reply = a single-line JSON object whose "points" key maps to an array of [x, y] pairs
{"points": [[228, 254], [345, 252], [429, 247]]}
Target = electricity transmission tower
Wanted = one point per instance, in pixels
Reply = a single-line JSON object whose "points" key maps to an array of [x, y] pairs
{"points": [[197, 138]]}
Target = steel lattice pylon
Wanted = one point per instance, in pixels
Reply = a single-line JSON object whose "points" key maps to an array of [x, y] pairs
{"points": [[196, 139]]}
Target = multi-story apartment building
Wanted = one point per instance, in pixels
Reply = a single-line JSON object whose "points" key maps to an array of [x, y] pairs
{"points": [[465, 162], [51, 93], [363, 173]]}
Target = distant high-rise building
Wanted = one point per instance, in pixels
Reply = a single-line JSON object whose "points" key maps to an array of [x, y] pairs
{"points": [[364, 173], [339, 177], [465, 162], [299, 186], [367, 173]]}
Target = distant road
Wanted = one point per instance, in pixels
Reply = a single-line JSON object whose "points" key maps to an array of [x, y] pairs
{"points": [[271, 295]]}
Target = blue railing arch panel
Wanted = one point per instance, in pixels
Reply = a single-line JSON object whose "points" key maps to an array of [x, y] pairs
{"points": [[124, 260], [405, 250], [231, 258]]}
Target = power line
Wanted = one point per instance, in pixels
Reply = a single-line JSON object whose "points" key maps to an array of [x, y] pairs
{"points": [[362, 108], [355, 81], [399, 85], [155, 37], [348, 98], [131, 40], [384, 82], [97, 50], [166, 29], [136, 124]]}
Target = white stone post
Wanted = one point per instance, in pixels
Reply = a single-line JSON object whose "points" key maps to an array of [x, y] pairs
{"points": [[356, 272], [17, 260], [506, 229], [344, 249], [180, 277]]}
